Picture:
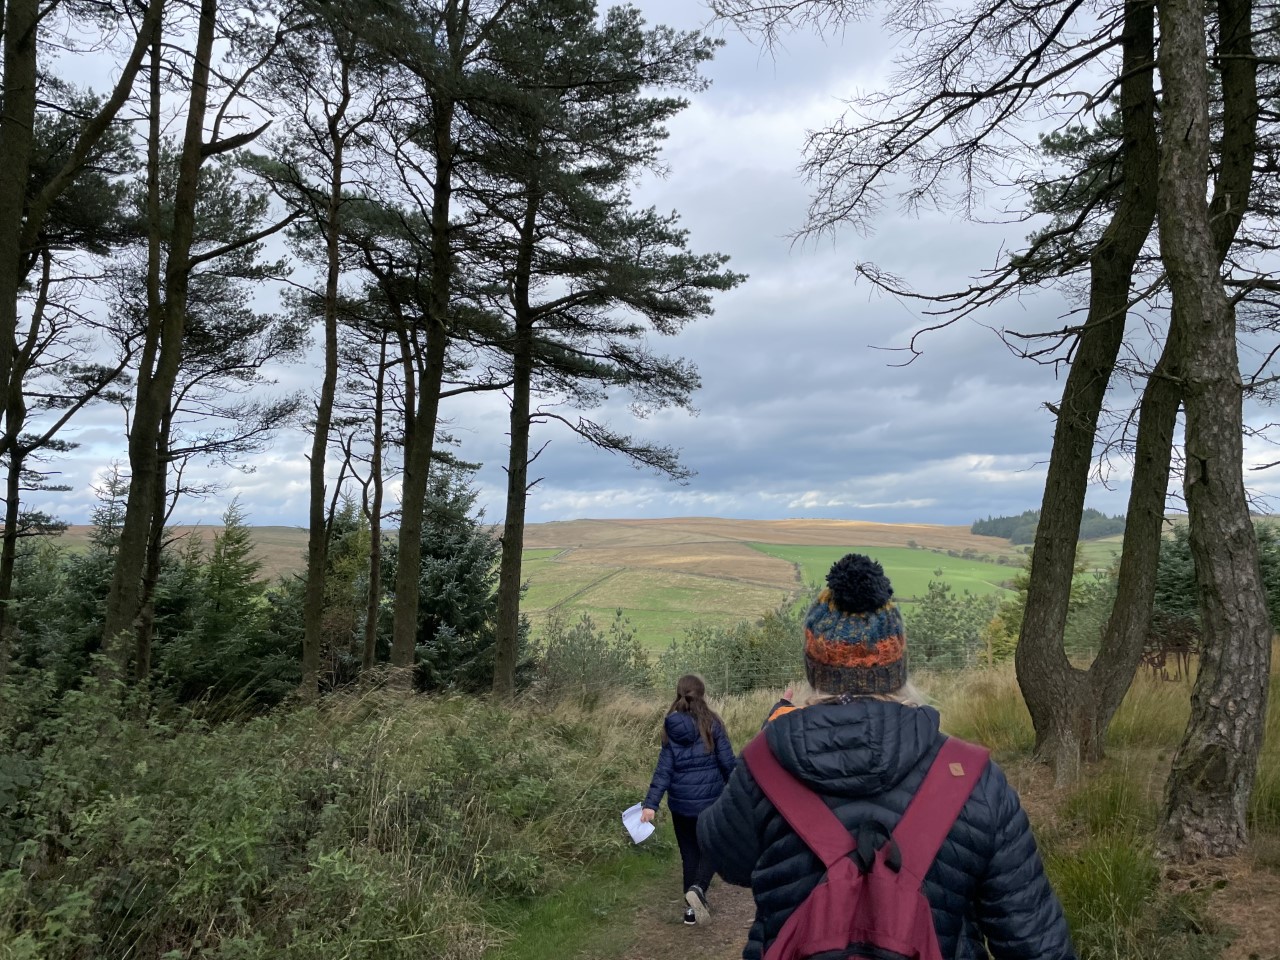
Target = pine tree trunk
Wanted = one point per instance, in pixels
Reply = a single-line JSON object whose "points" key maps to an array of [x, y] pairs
{"points": [[1215, 767], [146, 620], [151, 571], [147, 614], [317, 523], [420, 434], [16, 143], [155, 389], [508, 626], [17, 126], [373, 606], [9, 549], [1058, 695], [418, 446], [1112, 672], [16, 450], [506, 642]]}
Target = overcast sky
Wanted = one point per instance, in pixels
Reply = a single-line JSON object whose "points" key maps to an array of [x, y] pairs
{"points": [[801, 412]]}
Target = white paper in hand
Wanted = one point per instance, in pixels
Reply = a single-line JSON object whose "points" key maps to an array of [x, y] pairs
{"points": [[639, 830]]}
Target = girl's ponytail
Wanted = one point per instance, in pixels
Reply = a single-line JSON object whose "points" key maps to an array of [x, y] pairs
{"points": [[691, 695]]}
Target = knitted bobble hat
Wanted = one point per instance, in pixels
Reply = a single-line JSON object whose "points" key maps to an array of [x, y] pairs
{"points": [[854, 638]]}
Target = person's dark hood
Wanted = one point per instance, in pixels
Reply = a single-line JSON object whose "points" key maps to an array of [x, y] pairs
{"points": [[681, 728], [856, 749]]}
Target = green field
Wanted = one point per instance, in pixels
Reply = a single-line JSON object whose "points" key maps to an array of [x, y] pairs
{"points": [[1099, 554], [552, 583], [909, 570], [544, 554], [659, 604], [662, 604]]}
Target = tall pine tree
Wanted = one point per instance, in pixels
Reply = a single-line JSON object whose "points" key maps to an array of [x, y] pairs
{"points": [[586, 275]]}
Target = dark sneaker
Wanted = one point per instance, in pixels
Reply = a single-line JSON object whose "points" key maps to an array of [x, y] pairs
{"points": [[697, 901], [689, 917]]}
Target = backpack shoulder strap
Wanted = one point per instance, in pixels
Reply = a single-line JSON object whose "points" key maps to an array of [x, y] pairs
{"points": [[936, 805], [804, 810]]}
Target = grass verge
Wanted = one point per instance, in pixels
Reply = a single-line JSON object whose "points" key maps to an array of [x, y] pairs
{"points": [[378, 827], [910, 570], [590, 913]]}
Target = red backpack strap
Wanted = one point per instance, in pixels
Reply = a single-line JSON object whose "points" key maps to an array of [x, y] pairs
{"points": [[933, 810], [804, 810]]}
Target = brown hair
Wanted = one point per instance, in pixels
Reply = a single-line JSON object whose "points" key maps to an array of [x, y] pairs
{"points": [[691, 694]]}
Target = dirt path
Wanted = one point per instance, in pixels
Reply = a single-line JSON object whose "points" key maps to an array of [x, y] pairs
{"points": [[658, 931], [654, 929]]}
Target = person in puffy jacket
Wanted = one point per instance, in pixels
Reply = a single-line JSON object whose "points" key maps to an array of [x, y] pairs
{"points": [[695, 761], [864, 745]]}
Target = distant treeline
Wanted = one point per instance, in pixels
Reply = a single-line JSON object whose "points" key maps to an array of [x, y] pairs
{"points": [[1022, 528]]}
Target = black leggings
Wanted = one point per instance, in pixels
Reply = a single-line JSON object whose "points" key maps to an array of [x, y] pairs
{"points": [[697, 867]]}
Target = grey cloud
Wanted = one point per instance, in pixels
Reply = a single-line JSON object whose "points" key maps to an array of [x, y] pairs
{"points": [[800, 415]]}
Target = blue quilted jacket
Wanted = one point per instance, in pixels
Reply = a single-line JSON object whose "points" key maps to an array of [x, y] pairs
{"points": [[987, 887], [690, 775]]}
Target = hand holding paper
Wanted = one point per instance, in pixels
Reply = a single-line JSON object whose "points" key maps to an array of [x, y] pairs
{"points": [[639, 828]]}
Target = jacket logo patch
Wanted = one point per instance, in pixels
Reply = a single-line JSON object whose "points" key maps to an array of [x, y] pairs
{"points": [[957, 770]]}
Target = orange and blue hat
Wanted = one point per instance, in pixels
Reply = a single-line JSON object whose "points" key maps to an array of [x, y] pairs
{"points": [[855, 641]]}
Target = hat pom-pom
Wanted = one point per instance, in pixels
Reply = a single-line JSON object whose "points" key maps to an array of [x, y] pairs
{"points": [[858, 584]]}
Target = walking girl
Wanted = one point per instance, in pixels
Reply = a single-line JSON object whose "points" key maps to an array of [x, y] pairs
{"points": [[694, 764]]}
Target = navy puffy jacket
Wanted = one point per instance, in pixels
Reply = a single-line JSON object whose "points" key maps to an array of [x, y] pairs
{"points": [[867, 758], [690, 775]]}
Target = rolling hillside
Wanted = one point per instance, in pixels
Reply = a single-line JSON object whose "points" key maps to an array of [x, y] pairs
{"points": [[910, 570], [668, 574], [282, 550]]}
